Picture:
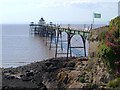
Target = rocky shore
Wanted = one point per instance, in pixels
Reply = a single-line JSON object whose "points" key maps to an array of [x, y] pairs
{"points": [[57, 73]]}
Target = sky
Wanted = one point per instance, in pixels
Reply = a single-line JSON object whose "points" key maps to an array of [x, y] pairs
{"points": [[57, 11]]}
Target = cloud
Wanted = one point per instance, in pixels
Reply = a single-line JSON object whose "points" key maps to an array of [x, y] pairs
{"points": [[50, 3], [52, 9]]}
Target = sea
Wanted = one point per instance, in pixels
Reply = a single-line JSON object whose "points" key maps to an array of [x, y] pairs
{"points": [[19, 47]]}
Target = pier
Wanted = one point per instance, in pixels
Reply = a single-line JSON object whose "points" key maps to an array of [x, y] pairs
{"points": [[53, 35]]}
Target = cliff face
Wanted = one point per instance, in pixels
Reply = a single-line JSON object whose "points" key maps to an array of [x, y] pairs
{"points": [[105, 44], [101, 35], [95, 38]]}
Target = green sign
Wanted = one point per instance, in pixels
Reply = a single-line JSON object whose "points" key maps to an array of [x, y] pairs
{"points": [[97, 15]]}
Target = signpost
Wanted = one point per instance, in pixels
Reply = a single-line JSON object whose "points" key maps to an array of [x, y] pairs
{"points": [[96, 15]]}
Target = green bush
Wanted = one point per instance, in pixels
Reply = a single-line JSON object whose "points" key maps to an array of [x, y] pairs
{"points": [[109, 47], [82, 79], [114, 83], [106, 53], [101, 36], [115, 22]]}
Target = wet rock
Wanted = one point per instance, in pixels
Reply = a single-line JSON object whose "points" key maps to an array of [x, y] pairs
{"points": [[42, 86], [31, 73], [25, 78], [48, 63], [21, 75], [38, 78], [9, 77], [69, 68], [51, 69], [17, 84]]}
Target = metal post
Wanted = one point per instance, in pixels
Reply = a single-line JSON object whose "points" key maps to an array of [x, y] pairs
{"points": [[84, 26], [84, 42], [70, 51], [61, 41], [57, 44], [68, 45], [69, 39], [91, 26], [50, 41], [84, 48]]}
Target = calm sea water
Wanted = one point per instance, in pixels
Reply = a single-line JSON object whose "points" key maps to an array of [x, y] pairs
{"points": [[20, 48]]}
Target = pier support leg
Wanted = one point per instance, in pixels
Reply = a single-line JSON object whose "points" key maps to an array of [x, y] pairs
{"points": [[50, 41], [57, 44], [84, 45], [84, 48], [61, 41], [70, 51], [68, 48], [69, 45]]}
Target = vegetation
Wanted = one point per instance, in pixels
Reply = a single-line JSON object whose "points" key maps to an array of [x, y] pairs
{"points": [[82, 79], [92, 86], [109, 48], [114, 83], [101, 36]]}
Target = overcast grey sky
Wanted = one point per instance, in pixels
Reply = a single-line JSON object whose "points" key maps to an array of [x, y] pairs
{"points": [[57, 11]]}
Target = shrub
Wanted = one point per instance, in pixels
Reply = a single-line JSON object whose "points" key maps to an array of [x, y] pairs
{"points": [[114, 83], [101, 36], [82, 79], [71, 64], [106, 53], [109, 47]]}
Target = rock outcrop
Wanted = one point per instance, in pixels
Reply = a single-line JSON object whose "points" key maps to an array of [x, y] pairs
{"points": [[57, 73]]}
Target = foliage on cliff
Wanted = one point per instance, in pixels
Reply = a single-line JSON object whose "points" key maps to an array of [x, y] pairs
{"points": [[114, 84], [109, 48]]}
